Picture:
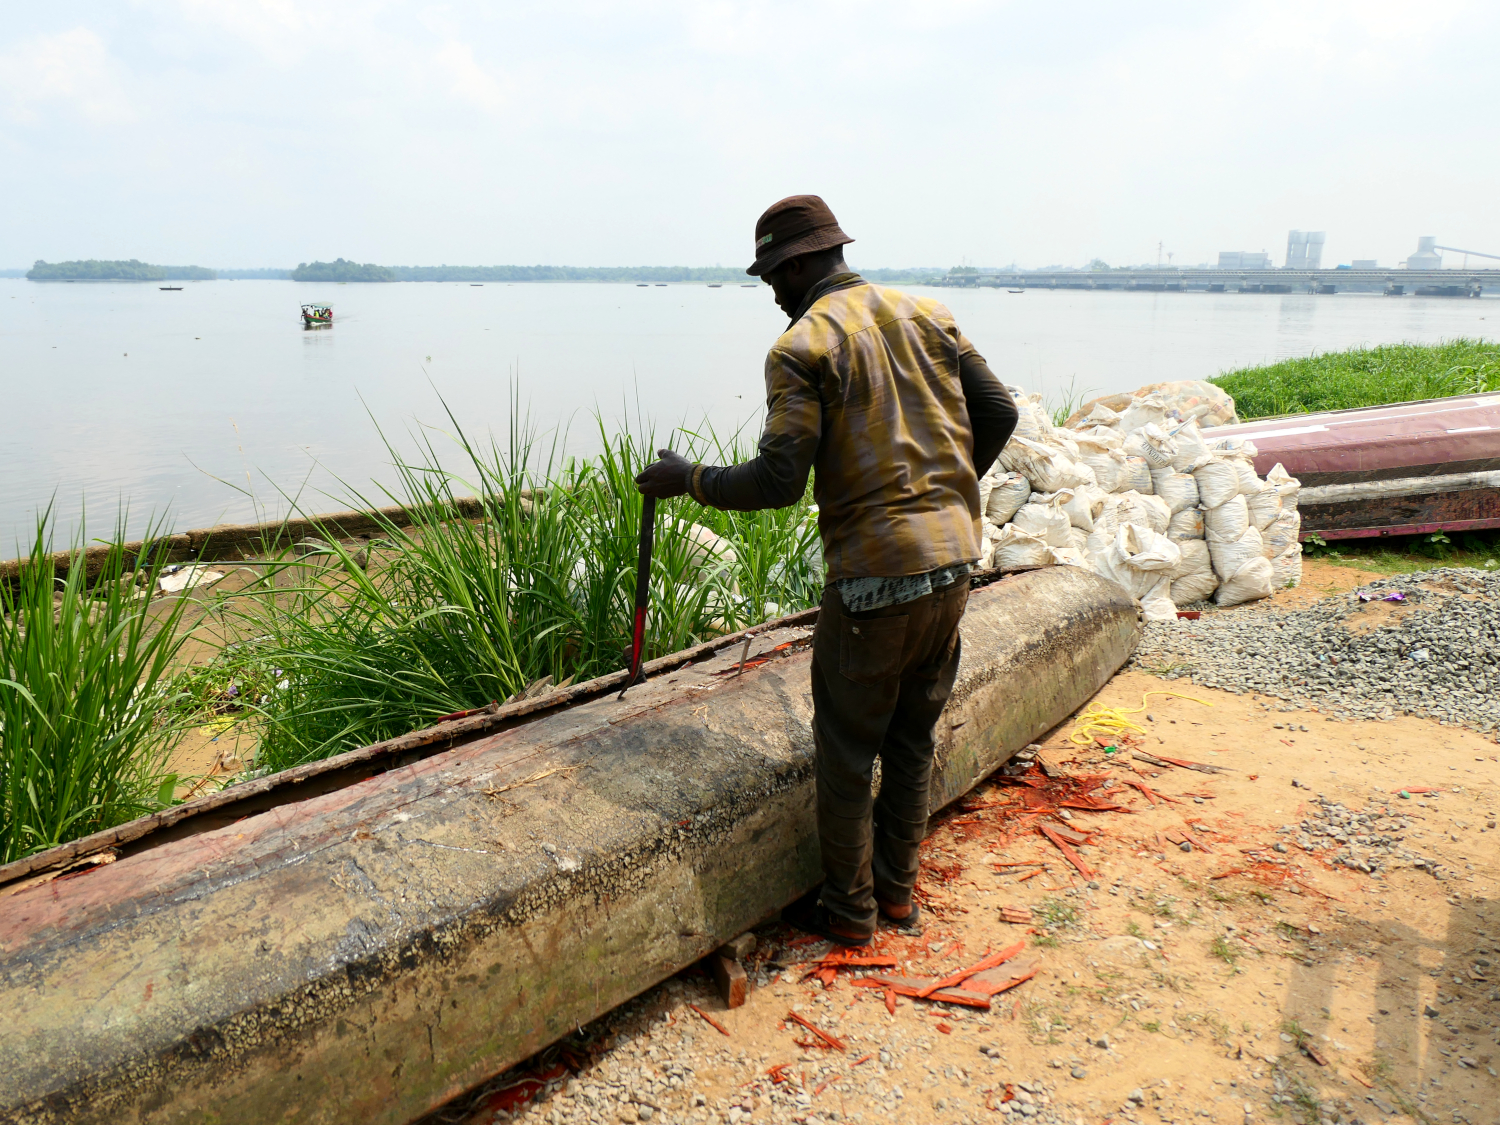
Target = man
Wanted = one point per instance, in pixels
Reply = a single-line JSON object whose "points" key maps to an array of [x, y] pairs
{"points": [[882, 393]]}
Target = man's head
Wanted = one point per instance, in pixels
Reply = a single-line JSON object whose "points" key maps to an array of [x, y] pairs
{"points": [[798, 242]]}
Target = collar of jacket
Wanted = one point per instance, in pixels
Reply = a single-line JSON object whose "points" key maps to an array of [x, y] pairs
{"points": [[823, 288]]}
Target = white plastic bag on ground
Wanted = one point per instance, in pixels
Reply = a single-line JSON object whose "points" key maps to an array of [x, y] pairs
{"points": [[1186, 524], [1153, 444], [1282, 533], [1264, 505], [1101, 435], [1286, 485], [1251, 581], [1190, 446], [1138, 558], [1016, 550], [1192, 398], [1143, 412], [1286, 568], [1069, 556], [1229, 556], [1047, 522], [1177, 490], [1047, 468], [1102, 415], [1150, 511], [1135, 477], [1228, 520], [1218, 482], [986, 486], [1157, 604], [1108, 465], [1008, 492], [1079, 504]]}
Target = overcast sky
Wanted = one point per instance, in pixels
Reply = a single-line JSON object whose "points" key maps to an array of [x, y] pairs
{"points": [[237, 133]]}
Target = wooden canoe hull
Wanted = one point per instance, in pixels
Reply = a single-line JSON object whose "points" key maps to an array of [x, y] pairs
{"points": [[367, 953]]}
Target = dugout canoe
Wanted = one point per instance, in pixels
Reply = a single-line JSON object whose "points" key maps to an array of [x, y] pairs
{"points": [[364, 939], [1405, 469]]}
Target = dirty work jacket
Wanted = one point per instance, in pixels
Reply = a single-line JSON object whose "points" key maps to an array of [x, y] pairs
{"points": [[872, 386]]}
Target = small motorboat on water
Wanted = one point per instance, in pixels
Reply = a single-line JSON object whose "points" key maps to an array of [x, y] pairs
{"points": [[1408, 468], [1015, 290], [315, 315], [170, 288]]}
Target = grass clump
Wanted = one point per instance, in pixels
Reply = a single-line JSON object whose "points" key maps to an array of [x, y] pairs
{"points": [[1364, 377], [454, 612], [85, 694]]}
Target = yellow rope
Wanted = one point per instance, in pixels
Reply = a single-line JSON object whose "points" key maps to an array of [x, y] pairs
{"points": [[1110, 721]]}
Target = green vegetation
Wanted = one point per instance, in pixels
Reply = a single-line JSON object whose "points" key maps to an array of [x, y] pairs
{"points": [[1364, 377], [85, 696], [1224, 949], [341, 270], [1405, 554], [94, 270]]}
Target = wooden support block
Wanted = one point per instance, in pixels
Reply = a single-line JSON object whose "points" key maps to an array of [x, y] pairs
{"points": [[729, 975], [740, 948]]}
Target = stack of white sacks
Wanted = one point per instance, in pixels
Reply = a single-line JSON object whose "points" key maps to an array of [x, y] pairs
{"points": [[1146, 499]]}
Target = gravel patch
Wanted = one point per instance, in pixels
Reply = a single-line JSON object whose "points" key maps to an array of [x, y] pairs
{"points": [[1436, 654]]}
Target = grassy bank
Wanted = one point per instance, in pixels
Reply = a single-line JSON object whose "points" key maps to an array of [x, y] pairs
{"points": [[332, 645], [1364, 377]]}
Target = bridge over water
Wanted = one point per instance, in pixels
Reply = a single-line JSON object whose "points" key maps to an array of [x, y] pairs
{"points": [[1393, 282]]}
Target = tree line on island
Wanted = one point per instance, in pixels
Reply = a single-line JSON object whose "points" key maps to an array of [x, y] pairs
{"points": [[93, 269]]}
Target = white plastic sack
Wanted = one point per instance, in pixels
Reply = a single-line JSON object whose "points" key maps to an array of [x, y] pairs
{"points": [[1047, 468], [1242, 447], [1251, 581], [1062, 439], [1264, 505], [1282, 533], [1190, 446], [1186, 524], [1227, 521], [1230, 556], [986, 486], [1150, 511], [1078, 539], [1286, 485], [1194, 587], [1136, 556], [1286, 568], [1176, 490], [1153, 444], [1069, 556], [1081, 504], [1157, 604], [1135, 477], [1102, 415], [1218, 482], [1007, 493], [1048, 522], [1249, 482], [1143, 412], [1194, 559], [1101, 435], [1108, 465], [1016, 550]]}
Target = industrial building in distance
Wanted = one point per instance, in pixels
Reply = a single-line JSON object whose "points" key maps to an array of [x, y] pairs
{"points": [[1245, 271]]}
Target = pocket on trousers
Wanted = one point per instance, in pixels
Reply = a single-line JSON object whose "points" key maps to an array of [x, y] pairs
{"points": [[870, 651]]}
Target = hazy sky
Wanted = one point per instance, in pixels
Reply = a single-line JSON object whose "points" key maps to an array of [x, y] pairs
{"points": [[267, 132]]}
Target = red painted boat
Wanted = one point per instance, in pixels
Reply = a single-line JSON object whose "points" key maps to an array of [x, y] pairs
{"points": [[1403, 469]]}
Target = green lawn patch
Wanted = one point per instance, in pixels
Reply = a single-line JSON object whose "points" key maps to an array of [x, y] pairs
{"points": [[1364, 377]]}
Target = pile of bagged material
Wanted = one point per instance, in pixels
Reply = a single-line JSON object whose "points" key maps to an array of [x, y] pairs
{"points": [[1146, 498]]}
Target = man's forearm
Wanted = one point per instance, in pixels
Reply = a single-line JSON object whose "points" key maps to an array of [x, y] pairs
{"points": [[992, 412], [774, 479]]}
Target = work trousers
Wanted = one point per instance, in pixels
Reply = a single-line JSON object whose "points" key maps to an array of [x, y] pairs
{"points": [[880, 680]]}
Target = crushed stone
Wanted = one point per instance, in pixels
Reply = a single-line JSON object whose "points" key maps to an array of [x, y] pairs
{"points": [[1436, 654]]}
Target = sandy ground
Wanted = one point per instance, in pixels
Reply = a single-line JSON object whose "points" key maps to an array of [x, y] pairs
{"points": [[1233, 982]]}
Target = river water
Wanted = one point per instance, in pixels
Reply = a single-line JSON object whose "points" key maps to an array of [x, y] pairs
{"points": [[211, 403]]}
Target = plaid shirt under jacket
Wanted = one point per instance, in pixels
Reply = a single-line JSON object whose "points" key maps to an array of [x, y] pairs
{"points": [[864, 386]]}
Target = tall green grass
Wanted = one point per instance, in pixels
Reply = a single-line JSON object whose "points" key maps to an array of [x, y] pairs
{"points": [[85, 695], [1364, 377], [454, 612]]}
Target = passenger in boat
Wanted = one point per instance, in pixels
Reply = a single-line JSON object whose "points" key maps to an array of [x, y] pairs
{"points": [[901, 416]]}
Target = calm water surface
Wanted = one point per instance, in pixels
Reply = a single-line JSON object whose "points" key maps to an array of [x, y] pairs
{"points": [[212, 402]]}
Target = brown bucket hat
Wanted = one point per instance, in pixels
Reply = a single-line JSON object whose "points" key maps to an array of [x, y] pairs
{"points": [[798, 224]]}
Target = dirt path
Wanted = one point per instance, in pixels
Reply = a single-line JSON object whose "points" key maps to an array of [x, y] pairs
{"points": [[1247, 977]]}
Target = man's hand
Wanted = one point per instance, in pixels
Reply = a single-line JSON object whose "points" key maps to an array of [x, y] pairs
{"points": [[665, 478]]}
